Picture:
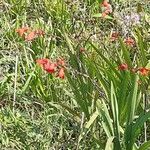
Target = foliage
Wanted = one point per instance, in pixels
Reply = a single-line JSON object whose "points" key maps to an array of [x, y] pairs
{"points": [[102, 99]]}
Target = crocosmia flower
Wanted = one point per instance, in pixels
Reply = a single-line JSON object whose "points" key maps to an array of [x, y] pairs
{"points": [[123, 66], [29, 34], [114, 36], [50, 67], [144, 71], [61, 73], [107, 8], [129, 41], [42, 62], [39, 32], [32, 35], [105, 4], [53, 67], [22, 31]]}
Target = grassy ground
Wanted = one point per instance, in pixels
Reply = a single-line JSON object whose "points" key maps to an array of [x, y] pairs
{"points": [[96, 105]]}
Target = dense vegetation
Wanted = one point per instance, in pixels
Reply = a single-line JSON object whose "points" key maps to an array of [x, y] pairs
{"points": [[74, 75]]}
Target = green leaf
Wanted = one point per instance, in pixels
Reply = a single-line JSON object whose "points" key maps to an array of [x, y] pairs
{"points": [[113, 68], [133, 98], [126, 53], [80, 99], [92, 119], [142, 49], [107, 121], [27, 84], [114, 106], [100, 1], [129, 138], [100, 15], [71, 111], [109, 143], [145, 146], [139, 123]]}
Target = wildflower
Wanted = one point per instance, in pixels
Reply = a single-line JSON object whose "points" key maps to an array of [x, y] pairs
{"points": [[50, 67], [22, 30], [32, 35], [144, 71], [123, 66], [42, 62], [53, 67], [105, 4], [39, 32], [108, 8], [104, 14], [114, 36], [61, 73], [129, 41]]}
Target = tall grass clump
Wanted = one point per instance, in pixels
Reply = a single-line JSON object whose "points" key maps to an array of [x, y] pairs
{"points": [[74, 75]]}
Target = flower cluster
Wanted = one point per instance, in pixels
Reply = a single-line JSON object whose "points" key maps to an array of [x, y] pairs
{"points": [[128, 41], [114, 36], [142, 70], [107, 8], [29, 34], [57, 67]]}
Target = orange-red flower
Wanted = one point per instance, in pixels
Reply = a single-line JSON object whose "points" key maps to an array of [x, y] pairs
{"points": [[114, 36], [50, 67], [61, 73], [123, 66], [105, 4], [53, 67], [129, 41], [144, 71], [39, 32], [42, 62], [22, 30], [104, 14], [32, 35], [29, 34], [108, 8]]}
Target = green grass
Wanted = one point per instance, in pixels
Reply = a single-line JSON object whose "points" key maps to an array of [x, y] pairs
{"points": [[97, 106]]}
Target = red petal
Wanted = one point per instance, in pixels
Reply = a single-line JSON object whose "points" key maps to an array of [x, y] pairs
{"points": [[61, 73], [21, 31], [42, 61], [105, 3], [40, 32], [30, 36], [144, 71], [50, 67], [123, 67]]}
